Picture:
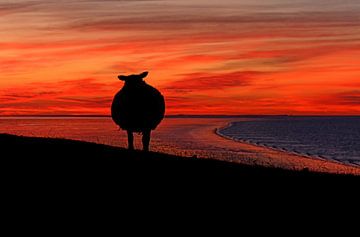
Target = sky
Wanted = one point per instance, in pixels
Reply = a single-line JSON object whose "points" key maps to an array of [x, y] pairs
{"points": [[295, 57]]}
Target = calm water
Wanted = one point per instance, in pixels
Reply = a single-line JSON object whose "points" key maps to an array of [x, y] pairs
{"points": [[336, 138]]}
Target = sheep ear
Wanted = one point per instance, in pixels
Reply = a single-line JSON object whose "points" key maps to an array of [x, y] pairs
{"points": [[122, 78], [144, 74]]}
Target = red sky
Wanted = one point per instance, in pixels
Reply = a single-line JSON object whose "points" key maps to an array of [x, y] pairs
{"points": [[294, 57]]}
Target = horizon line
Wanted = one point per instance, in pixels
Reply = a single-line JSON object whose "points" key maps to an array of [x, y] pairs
{"points": [[192, 115]]}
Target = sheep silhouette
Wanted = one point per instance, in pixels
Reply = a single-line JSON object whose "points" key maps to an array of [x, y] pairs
{"points": [[138, 107]]}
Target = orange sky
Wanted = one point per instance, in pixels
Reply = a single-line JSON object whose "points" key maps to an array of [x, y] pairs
{"points": [[235, 57]]}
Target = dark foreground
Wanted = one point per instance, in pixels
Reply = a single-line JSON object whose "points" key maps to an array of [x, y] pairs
{"points": [[63, 176]]}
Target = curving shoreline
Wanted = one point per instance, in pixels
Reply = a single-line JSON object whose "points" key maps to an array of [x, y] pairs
{"points": [[286, 159], [218, 132]]}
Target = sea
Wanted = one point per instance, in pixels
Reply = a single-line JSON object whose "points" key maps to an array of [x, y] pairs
{"points": [[331, 138]]}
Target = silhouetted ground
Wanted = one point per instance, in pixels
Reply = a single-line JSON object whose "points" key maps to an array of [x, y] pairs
{"points": [[55, 176]]}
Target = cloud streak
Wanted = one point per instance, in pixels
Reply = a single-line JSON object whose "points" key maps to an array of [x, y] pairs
{"points": [[207, 81], [69, 96]]}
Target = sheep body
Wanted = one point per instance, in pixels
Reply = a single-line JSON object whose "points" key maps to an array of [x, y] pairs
{"points": [[138, 108]]}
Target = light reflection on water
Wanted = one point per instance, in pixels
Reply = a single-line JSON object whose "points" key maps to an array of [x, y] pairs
{"points": [[172, 136]]}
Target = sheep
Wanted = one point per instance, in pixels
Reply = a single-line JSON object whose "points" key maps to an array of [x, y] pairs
{"points": [[138, 107]]}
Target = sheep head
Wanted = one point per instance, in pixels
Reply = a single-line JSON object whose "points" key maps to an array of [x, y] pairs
{"points": [[133, 78]]}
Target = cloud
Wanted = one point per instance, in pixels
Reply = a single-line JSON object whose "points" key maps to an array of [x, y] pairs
{"points": [[87, 101], [27, 95], [350, 98], [69, 96], [211, 81], [182, 18], [197, 16], [15, 6]]}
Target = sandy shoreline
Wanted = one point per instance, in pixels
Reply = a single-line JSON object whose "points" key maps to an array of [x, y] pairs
{"points": [[186, 137], [264, 156]]}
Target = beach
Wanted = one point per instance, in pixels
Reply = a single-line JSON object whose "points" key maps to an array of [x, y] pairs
{"points": [[184, 137]]}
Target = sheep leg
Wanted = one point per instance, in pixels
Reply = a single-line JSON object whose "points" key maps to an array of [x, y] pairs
{"points": [[130, 140], [146, 139]]}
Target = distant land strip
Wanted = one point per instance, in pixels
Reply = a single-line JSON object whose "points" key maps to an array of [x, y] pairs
{"points": [[178, 116]]}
